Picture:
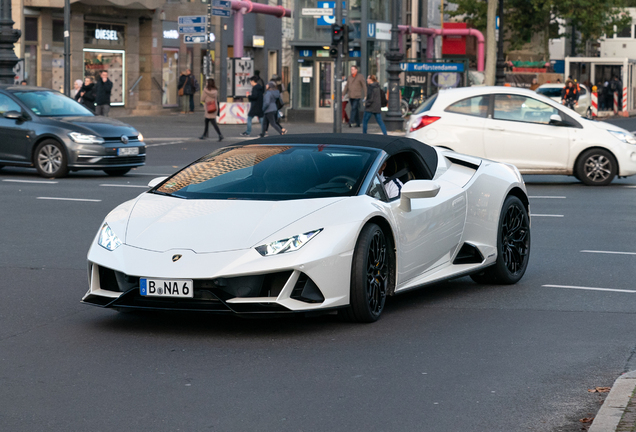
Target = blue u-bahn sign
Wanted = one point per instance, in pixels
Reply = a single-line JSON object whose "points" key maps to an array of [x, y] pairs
{"points": [[432, 67]]}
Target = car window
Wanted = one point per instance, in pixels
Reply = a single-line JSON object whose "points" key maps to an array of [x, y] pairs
{"points": [[376, 189], [426, 105], [475, 106], [583, 91], [46, 103], [7, 104], [550, 91], [523, 109]]}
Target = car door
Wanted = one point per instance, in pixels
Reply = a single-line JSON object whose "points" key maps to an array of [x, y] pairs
{"points": [[15, 133], [467, 125], [519, 132]]}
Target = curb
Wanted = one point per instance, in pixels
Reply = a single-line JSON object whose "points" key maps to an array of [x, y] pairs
{"points": [[610, 414]]}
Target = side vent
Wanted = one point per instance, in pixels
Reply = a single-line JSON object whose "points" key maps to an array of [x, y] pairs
{"points": [[306, 290], [468, 254]]}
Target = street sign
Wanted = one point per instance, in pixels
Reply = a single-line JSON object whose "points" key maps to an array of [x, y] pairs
{"points": [[189, 29], [222, 13], [191, 20], [222, 4], [317, 11], [432, 67], [192, 39]]}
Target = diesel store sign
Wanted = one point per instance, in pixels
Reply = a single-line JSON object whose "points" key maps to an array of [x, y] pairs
{"points": [[104, 34], [101, 34]]}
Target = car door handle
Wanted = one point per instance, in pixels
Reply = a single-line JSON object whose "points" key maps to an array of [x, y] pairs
{"points": [[497, 128]]}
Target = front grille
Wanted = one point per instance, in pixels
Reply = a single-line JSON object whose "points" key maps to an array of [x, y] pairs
{"points": [[131, 139], [123, 160]]}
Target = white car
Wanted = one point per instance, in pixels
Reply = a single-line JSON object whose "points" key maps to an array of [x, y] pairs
{"points": [[304, 224], [553, 91], [523, 128]]}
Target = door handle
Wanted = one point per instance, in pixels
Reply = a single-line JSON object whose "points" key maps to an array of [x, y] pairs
{"points": [[496, 128]]}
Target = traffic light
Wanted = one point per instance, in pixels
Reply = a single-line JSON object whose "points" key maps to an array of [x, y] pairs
{"points": [[337, 33], [348, 37]]}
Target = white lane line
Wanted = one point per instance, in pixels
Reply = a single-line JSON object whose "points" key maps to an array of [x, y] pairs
{"points": [[609, 252], [152, 174], [630, 187], [30, 181], [165, 144], [589, 288], [545, 215], [546, 197], [166, 139], [69, 199], [123, 185]]}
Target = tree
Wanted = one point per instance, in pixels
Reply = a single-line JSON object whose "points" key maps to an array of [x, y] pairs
{"points": [[491, 48]]}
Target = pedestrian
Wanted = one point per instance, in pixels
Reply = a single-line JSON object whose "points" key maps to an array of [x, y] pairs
{"points": [[86, 94], [616, 87], [77, 85], [280, 103], [270, 110], [356, 88], [570, 95], [259, 80], [103, 88], [187, 89], [534, 85], [600, 96], [373, 104], [210, 99], [255, 96], [345, 100], [24, 82]]}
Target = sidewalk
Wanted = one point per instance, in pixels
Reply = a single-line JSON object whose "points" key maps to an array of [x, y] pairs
{"points": [[618, 413]]}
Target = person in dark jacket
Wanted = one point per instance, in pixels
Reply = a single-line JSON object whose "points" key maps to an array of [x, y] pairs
{"points": [[256, 105], [187, 83], [373, 105], [270, 110], [86, 94], [103, 88], [570, 95]]}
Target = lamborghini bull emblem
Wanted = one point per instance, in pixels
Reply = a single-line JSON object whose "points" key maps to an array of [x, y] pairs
{"points": [[176, 258]]}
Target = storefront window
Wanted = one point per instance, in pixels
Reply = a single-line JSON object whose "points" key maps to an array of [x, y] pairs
{"points": [[104, 34], [378, 10], [113, 61], [326, 80], [376, 61], [170, 78], [305, 72]]}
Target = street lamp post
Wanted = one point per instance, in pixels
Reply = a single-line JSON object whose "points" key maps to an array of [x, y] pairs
{"points": [[8, 37], [394, 121], [500, 76], [67, 47]]}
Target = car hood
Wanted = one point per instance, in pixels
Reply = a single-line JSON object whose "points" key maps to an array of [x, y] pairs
{"points": [[96, 125], [161, 223], [608, 126]]}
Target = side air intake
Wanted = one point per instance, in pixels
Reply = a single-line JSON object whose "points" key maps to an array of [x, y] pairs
{"points": [[468, 254]]}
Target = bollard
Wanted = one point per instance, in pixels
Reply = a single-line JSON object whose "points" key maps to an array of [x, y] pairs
{"points": [[594, 104], [615, 102]]}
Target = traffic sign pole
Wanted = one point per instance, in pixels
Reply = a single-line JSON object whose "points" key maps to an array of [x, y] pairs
{"points": [[208, 72], [337, 103]]}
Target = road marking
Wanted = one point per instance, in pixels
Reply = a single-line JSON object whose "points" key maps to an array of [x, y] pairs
{"points": [[589, 288], [123, 185], [152, 174], [609, 252], [630, 186], [69, 199], [547, 197], [167, 139], [30, 181], [545, 215], [165, 144]]}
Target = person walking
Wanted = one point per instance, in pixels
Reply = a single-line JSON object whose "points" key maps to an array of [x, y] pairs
{"points": [[103, 88], [187, 88], [86, 94], [270, 110], [373, 104], [345, 100], [77, 85], [210, 99], [356, 89], [255, 96], [570, 95]]}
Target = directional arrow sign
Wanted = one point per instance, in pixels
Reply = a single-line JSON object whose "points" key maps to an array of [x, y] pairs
{"points": [[191, 20], [222, 13], [191, 39], [222, 4], [191, 29], [317, 12]]}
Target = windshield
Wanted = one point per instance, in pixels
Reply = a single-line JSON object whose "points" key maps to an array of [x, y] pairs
{"points": [[550, 91], [47, 103], [426, 105], [272, 173]]}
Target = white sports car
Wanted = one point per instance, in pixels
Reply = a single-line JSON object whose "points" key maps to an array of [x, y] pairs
{"points": [[307, 224]]}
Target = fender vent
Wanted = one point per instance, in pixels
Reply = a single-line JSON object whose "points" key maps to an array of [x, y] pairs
{"points": [[468, 254], [306, 290]]}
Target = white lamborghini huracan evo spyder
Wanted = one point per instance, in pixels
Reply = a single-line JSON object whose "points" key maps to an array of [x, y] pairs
{"points": [[305, 224]]}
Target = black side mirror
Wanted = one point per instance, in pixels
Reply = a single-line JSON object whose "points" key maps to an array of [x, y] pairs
{"points": [[13, 115]]}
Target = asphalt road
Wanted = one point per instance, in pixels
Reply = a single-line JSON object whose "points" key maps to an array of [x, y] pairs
{"points": [[451, 357]]}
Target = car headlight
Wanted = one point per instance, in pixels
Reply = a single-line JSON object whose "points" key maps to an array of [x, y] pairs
{"points": [[108, 239], [287, 245], [626, 137], [140, 137], [81, 138]]}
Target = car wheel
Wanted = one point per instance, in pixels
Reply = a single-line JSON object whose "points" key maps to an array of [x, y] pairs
{"points": [[50, 159], [513, 246], [117, 171], [404, 107], [596, 167], [588, 114], [370, 274]]}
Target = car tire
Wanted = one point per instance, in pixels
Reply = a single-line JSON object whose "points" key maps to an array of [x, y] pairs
{"points": [[371, 271], [588, 114], [596, 167], [404, 107], [50, 159], [513, 246], [116, 172]]}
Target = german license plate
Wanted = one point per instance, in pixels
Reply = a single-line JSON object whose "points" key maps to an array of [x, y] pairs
{"points": [[128, 151], [166, 287]]}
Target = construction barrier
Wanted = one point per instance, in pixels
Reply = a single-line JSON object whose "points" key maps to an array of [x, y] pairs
{"points": [[615, 102], [233, 112], [625, 99], [594, 104]]}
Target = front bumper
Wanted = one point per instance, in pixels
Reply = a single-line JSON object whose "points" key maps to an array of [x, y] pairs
{"points": [[104, 156]]}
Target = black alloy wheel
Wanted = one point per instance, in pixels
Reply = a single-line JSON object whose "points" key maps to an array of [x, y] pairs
{"points": [[513, 246], [115, 172], [50, 159], [370, 275], [596, 167]]}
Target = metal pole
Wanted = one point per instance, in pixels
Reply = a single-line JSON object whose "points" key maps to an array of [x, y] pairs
{"points": [[67, 47], [208, 31], [500, 76], [238, 33], [8, 37], [394, 120], [337, 103]]}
